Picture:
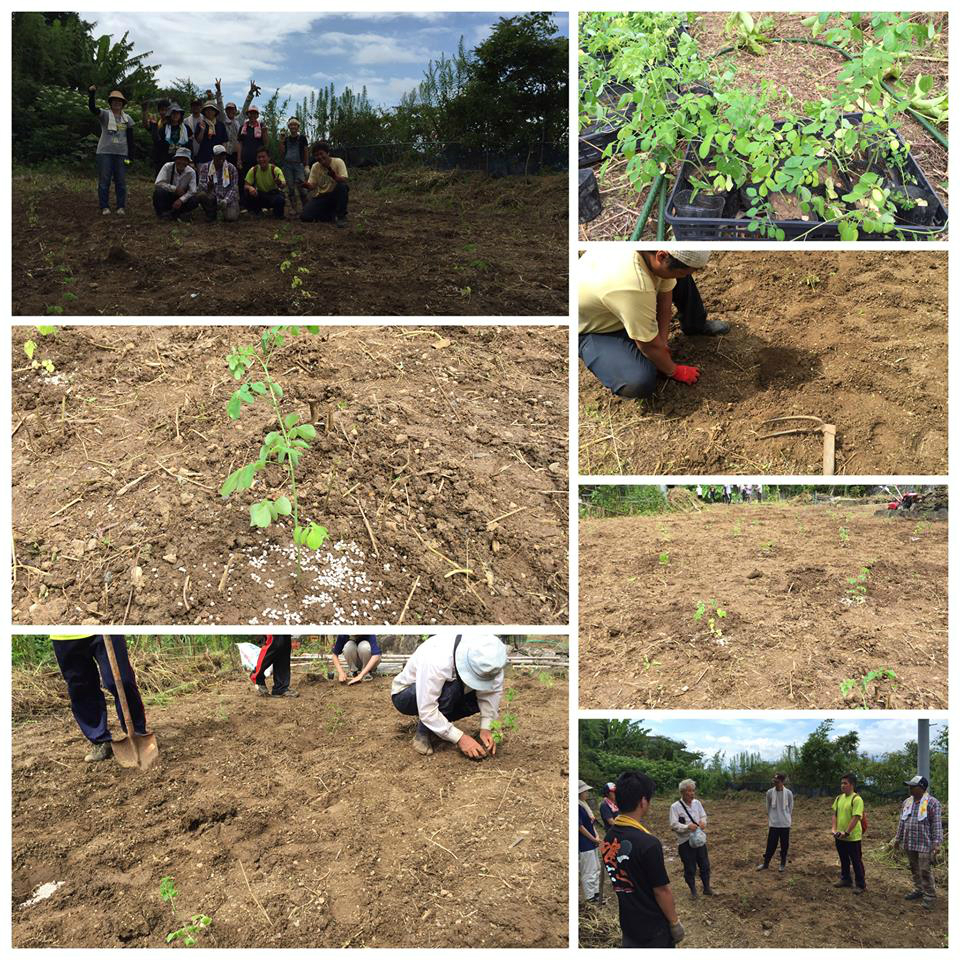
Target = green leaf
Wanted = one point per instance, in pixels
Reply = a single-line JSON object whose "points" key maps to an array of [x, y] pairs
{"points": [[260, 514], [275, 389], [29, 348], [259, 388], [246, 474], [316, 536], [283, 506], [47, 331], [230, 484], [290, 420]]}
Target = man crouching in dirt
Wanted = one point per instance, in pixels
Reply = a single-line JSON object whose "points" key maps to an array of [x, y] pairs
{"points": [[446, 679], [919, 835], [633, 858], [175, 189], [82, 658], [625, 303], [219, 190]]}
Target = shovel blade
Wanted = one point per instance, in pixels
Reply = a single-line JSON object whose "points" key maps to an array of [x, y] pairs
{"points": [[137, 752]]}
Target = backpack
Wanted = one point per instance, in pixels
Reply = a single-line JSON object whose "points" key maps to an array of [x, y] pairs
{"points": [[863, 816]]}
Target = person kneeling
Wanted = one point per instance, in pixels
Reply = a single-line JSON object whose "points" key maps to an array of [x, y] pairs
{"points": [[446, 679], [218, 187], [264, 186], [327, 186], [175, 189]]}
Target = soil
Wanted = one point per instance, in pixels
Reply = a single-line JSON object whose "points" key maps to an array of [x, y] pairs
{"points": [[343, 839], [419, 242], [794, 628], [439, 468], [857, 339], [798, 908], [806, 72]]}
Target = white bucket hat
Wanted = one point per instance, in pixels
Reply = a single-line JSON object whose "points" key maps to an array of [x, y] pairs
{"points": [[183, 152], [480, 661], [694, 259], [584, 787]]}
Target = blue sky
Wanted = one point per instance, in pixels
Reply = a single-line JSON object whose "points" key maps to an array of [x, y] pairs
{"points": [[298, 52], [768, 736]]}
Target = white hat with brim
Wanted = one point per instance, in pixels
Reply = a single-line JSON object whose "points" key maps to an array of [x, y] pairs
{"points": [[183, 152], [584, 787], [480, 661], [694, 259]]}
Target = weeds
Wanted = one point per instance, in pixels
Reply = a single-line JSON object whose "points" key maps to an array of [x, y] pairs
{"points": [[283, 446]]}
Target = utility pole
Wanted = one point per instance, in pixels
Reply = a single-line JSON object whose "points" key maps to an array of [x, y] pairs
{"points": [[923, 748]]}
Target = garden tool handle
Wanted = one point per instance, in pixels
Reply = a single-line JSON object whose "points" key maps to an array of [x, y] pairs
{"points": [[121, 692], [829, 449]]}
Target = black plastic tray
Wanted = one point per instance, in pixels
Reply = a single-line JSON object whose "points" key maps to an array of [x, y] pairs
{"points": [[728, 228]]}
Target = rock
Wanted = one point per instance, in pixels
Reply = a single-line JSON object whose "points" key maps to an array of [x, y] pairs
{"points": [[170, 557], [753, 574], [401, 438]]}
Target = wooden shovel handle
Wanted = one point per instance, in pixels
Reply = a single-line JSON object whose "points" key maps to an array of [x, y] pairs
{"points": [[829, 449], [118, 681]]}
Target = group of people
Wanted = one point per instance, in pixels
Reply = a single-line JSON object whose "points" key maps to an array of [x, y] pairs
{"points": [[633, 857], [728, 492], [448, 678], [218, 158], [626, 301]]}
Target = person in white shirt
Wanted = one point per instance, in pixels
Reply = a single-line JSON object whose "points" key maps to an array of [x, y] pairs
{"points": [[175, 189], [686, 816], [449, 677], [779, 820]]}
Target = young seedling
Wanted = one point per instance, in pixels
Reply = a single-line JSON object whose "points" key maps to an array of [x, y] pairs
{"points": [[766, 548], [857, 589], [544, 679], [188, 932], [664, 559], [30, 349], [921, 528], [873, 676], [844, 536], [714, 614], [168, 891], [499, 728], [509, 694], [250, 365]]}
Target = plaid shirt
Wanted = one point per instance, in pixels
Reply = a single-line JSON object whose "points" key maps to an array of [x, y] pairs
{"points": [[921, 835]]}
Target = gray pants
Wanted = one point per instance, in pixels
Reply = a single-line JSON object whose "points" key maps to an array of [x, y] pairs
{"points": [[296, 175], [356, 654], [922, 871], [616, 361], [211, 205]]}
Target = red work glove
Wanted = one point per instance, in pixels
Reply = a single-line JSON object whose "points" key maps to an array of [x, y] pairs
{"points": [[688, 375]]}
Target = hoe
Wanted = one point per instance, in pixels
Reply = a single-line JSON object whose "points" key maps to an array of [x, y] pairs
{"points": [[808, 425]]}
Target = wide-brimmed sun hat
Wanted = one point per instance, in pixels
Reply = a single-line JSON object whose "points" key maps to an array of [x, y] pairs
{"points": [[116, 95], [183, 152], [480, 661]]}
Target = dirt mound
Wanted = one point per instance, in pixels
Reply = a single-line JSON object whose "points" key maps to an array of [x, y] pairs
{"points": [[439, 468], [798, 908], [877, 369], [419, 242], [294, 823], [840, 593]]}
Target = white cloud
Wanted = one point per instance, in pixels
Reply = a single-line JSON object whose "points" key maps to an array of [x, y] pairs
{"points": [[296, 91]]}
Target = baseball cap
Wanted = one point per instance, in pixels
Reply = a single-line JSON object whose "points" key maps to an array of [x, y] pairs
{"points": [[917, 781], [695, 259], [218, 149]]}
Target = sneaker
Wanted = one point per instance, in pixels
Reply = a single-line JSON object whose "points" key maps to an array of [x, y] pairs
{"points": [[763, 866], [422, 742], [293, 694], [708, 891], [121, 212], [714, 328], [262, 690], [105, 212], [99, 751], [781, 868], [859, 890], [913, 895], [843, 883]]}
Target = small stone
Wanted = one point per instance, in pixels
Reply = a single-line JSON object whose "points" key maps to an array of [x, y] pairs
{"points": [[401, 438], [170, 557]]}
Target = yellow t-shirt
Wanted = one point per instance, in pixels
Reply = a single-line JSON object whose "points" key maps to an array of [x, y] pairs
{"points": [[617, 292], [321, 181], [846, 808]]}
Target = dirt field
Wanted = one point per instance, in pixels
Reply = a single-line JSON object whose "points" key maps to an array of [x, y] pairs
{"points": [[807, 73], [346, 839], [799, 908], [420, 242], [841, 336], [794, 628], [439, 468]]}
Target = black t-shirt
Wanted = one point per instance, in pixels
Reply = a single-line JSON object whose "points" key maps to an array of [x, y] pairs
{"points": [[634, 862]]}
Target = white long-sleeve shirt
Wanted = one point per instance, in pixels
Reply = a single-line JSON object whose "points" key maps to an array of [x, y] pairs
{"points": [[169, 179], [779, 807], [429, 667], [681, 829]]}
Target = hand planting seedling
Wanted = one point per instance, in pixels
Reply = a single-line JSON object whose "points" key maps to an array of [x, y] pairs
{"points": [[714, 614], [250, 365], [499, 728], [874, 676], [188, 932]]}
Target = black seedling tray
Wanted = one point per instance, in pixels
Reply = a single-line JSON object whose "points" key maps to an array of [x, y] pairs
{"points": [[730, 228]]}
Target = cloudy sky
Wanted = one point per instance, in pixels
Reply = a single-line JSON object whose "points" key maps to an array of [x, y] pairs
{"points": [[299, 52], [768, 737]]}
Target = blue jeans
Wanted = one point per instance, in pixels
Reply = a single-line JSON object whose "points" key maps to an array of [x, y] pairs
{"points": [[110, 166], [616, 361]]}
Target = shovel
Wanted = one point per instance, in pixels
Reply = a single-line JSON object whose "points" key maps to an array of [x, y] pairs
{"points": [[130, 749], [809, 425]]}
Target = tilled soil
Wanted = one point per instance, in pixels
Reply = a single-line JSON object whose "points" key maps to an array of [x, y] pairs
{"points": [[418, 243], [293, 823], [798, 908], [794, 628], [803, 72], [439, 468], [857, 339]]}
